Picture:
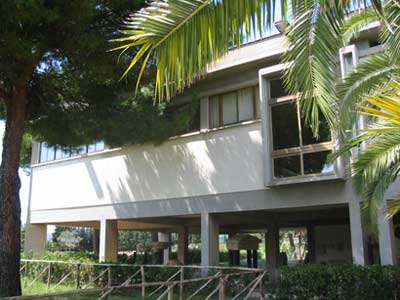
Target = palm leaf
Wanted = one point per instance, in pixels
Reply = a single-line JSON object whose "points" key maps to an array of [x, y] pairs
{"points": [[314, 39], [185, 36]]}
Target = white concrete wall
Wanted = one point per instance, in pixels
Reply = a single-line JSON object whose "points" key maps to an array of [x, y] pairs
{"points": [[199, 164]]}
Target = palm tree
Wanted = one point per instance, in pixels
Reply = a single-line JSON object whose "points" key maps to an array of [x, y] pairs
{"points": [[378, 163], [183, 37], [315, 38]]}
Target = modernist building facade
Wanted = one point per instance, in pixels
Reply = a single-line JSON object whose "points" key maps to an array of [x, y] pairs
{"points": [[253, 166]]}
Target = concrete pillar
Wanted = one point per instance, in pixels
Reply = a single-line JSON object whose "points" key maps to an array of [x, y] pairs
{"points": [[108, 241], [311, 243], [165, 237], [209, 240], [356, 231], [35, 239], [272, 247], [183, 243], [387, 249]]}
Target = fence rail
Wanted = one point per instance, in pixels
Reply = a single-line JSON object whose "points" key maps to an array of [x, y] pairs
{"points": [[216, 284]]}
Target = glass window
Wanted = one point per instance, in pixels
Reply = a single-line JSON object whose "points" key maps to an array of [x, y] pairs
{"points": [[229, 109], [285, 129], [246, 104], [295, 150], [257, 102], [348, 62], [99, 145], [287, 166], [234, 107], [277, 88], [214, 112], [91, 148], [308, 136], [44, 149], [315, 163]]}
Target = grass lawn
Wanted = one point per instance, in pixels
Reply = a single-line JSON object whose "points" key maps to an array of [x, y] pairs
{"points": [[41, 288]]}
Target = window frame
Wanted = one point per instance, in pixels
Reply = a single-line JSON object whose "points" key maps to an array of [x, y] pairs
{"points": [[85, 151], [220, 96], [265, 76], [301, 149]]}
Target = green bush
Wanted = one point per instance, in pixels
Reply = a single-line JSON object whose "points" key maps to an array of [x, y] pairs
{"points": [[338, 282]]}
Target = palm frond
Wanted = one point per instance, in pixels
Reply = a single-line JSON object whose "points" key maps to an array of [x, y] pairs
{"points": [[185, 36], [357, 22], [369, 75], [391, 34], [313, 42]]}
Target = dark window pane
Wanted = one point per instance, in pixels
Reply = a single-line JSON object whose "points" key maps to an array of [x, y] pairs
{"points": [[285, 129], [277, 88], [287, 166], [324, 132], [214, 112], [66, 153], [316, 163]]}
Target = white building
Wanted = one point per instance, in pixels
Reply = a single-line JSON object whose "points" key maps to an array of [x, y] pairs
{"points": [[253, 166]]}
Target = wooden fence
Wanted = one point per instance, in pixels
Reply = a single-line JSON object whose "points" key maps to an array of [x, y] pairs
{"points": [[214, 282]]}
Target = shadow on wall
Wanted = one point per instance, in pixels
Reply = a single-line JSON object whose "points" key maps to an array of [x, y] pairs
{"points": [[217, 162]]}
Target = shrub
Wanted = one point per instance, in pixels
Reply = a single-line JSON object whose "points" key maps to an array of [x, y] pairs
{"points": [[338, 282]]}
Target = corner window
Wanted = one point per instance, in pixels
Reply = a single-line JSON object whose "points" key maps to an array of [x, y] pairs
{"points": [[234, 107], [295, 150], [50, 153]]}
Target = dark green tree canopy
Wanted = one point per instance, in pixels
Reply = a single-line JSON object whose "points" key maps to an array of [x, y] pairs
{"points": [[75, 95]]}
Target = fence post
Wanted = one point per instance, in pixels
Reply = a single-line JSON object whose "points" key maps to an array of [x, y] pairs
{"points": [[262, 290], [143, 282], [26, 269], [109, 283], [181, 286], [48, 277], [171, 292], [78, 276], [222, 288]]}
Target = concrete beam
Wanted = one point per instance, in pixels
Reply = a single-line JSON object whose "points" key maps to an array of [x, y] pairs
{"points": [[209, 240], [35, 239], [108, 241]]}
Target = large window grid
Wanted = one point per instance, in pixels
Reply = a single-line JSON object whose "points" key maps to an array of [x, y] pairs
{"points": [[50, 153], [295, 152], [234, 107]]}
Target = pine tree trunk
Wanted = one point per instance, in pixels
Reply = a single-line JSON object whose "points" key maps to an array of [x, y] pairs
{"points": [[10, 210]]}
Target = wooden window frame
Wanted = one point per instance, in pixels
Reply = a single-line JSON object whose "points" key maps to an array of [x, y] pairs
{"points": [[301, 149], [219, 98]]}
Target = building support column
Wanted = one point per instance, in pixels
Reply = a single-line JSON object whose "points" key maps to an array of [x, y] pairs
{"points": [[183, 242], [311, 243], [387, 249], [108, 251], [35, 239], [209, 240], [165, 237], [272, 248], [356, 231]]}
